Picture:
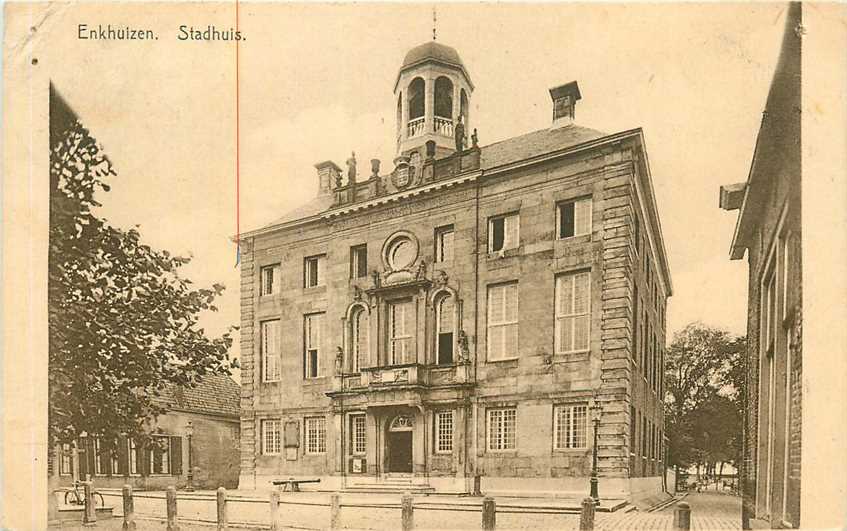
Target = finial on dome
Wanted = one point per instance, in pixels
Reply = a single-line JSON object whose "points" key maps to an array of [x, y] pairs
{"points": [[433, 23]]}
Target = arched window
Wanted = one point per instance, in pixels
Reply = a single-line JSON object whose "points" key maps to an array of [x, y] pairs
{"points": [[444, 325], [358, 339], [463, 106], [416, 99], [444, 98]]}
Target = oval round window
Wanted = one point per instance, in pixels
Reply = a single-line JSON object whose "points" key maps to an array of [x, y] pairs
{"points": [[401, 254]]}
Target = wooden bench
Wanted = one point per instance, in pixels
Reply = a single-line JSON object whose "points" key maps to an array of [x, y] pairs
{"points": [[293, 484]]}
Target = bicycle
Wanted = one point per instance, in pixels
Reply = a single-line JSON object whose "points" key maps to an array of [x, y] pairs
{"points": [[75, 497]]}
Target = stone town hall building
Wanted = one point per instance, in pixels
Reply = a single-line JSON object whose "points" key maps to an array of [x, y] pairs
{"points": [[458, 314]]}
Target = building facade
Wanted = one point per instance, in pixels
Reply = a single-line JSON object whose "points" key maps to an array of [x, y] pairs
{"points": [[768, 231], [209, 412], [462, 315]]}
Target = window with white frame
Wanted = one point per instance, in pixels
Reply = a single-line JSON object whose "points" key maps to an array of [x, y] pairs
{"points": [[503, 232], [134, 467], [358, 437], [270, 280], [444, 244], [574, 218], [570, 426], [160, 455], [502, 423], [65, 462], [401, 326], [359, 261], [315, 435], [270, 351], [313, 271], [443, 432], [359, 338], [105, 461], [312, 334], [271, 436], [502, 341], [444, 317], [573, 312]]}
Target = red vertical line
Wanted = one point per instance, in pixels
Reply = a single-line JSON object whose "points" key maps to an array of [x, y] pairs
{"points": [[237, 142]]}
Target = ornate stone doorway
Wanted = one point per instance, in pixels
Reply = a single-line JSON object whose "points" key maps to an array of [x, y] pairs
{"points": [[399, 444]]}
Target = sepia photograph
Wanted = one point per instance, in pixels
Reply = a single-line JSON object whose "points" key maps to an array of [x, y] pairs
{"points": [[441, 265]]}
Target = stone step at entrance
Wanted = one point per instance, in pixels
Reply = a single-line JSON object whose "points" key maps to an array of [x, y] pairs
{"points": [[392, 484]]}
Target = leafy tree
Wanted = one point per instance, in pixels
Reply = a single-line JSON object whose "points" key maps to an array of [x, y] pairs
{"points": [[123, 323], [704, 380]]}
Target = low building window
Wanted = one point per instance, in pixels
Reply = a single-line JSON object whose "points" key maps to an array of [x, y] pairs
{"points": [[315, 435], [443, 432], [444, 244], [270, 436], [270, 280], [359, 261], [503, 233], [66, 461], [358, 436], [574, 218], [569, 426], [313, 333], [134, 466], [501, 429], [313, 271], [573, 307], [160, 462]]}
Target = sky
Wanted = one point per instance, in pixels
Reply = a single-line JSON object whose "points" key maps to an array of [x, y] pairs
{"points": [[316, 82]]}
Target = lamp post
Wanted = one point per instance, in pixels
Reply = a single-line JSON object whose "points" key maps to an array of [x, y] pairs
{"points": [[189, 432], [596, 411]]}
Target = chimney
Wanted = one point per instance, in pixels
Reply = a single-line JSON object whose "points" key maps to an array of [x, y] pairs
{"points": [[564, 102], [328, 174]]}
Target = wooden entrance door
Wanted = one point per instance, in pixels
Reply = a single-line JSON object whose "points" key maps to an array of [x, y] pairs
{"points": [[400, 451]]}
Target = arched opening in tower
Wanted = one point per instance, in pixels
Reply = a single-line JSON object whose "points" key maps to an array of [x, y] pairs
{"points": [[443, 106]]}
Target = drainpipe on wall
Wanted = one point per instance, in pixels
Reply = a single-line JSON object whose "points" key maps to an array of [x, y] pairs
{"points": [[475, 400]]}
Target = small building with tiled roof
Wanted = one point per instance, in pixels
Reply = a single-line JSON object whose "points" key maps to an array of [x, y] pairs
{"points": [[458, 318], [200, 432]]}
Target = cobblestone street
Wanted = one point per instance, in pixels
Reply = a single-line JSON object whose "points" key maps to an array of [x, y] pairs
{"points": [[710, 512]]}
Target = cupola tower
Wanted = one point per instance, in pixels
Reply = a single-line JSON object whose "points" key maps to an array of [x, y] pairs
{"points": [[432, 93]]}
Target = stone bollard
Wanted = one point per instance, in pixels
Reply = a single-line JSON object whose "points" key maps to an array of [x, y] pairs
{"points": [[682, 516], [170, 497], [89, 518], [335, 511], [275, 524], [408, 512], [129, 509], [489, 514], [223, 523], [586, 517]]}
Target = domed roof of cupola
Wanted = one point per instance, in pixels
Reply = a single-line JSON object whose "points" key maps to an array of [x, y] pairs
{"points": [[435, 51]]}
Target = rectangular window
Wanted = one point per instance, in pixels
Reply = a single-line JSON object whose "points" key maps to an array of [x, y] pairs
{"points": [[769, 311], [270, 280], [573, 307], [134, 468], [65, 462], [632, 438], [574, 218], [312, 335], [160, 455], [401, 326], [635, 324], [443, 432], [445, 314], [358, 437], [270, 436], [315, 435], [503, 233], [270, 351], [503, 321], [501, 429], [637, 224], [444, 244], [569, 426], [359, 261], [313, 271]]}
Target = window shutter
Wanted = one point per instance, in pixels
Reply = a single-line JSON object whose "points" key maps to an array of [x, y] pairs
{"points": [[143, 453], [90, 454], [582, 217], [82, 455], [512, 230], [123, 456], [105, 458], [176, 455]]}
